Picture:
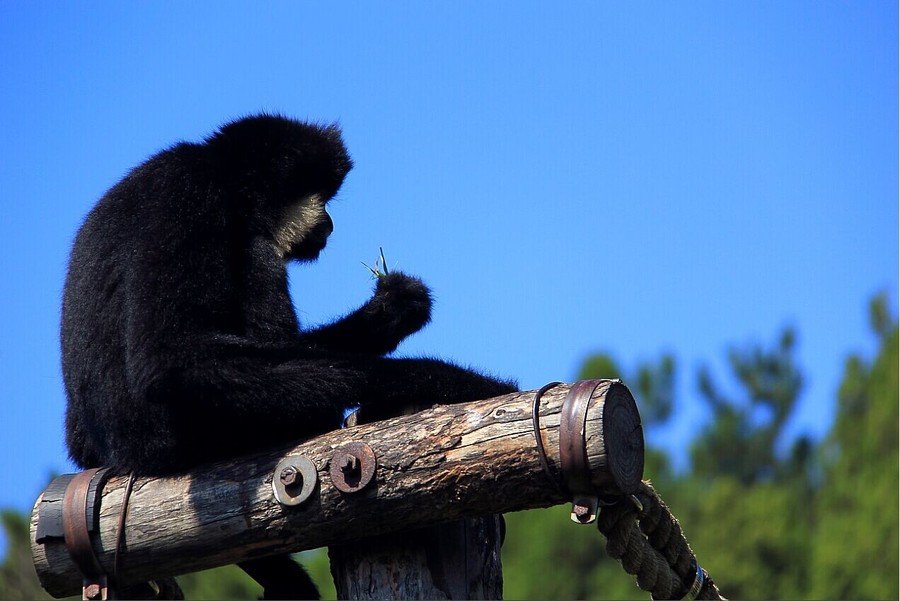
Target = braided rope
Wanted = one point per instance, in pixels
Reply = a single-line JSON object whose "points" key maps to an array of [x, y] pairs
{"points": [[647, 539], [643, 534]]}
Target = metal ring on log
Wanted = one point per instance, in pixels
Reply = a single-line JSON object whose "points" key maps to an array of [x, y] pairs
{"points": [[76, 508], [294, 479], [536, 426], [573, 457], [572, 452], [352, 467]]}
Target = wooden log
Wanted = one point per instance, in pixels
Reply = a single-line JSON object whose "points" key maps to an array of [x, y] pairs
{"points": [[443, 464]]}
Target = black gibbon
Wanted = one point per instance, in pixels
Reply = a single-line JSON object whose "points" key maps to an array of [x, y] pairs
{"points": [[180, 343]]}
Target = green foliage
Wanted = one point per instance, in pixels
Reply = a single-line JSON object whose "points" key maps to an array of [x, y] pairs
{"points": [[547, 556], [740, 441], [754, 540], [599, 365], [230, 582], [655, 385], [855, 549], [317, 564], [17, 577]]}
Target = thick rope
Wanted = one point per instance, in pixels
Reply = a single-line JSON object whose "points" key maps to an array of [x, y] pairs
{"points": [[648, 540], [643, 534]]}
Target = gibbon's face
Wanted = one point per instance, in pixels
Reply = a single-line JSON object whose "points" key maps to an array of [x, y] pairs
{"points": [[303, 229]]}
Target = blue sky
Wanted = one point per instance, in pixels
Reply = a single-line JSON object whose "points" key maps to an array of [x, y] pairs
{"points": [[635, 179]]}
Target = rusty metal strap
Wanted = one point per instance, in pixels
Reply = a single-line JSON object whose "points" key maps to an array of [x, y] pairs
{"points": [[79, 519], [536, 426], [575, 471], [75, 523], [573, 458], [49, 524]]}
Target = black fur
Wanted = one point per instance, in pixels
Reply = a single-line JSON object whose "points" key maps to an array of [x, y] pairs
{"points": [[180, 343]]}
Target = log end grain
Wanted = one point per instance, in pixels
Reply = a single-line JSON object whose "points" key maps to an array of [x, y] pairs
{"points": [[623, 438]]}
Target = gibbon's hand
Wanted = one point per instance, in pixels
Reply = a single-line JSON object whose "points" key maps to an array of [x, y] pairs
{"points": [[403, 301]]}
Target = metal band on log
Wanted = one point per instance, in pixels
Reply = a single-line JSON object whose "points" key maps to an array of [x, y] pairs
{"points": [[446, 463]]}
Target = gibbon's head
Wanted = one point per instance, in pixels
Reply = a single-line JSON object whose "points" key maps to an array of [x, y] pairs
{"points": [[285, 171]]}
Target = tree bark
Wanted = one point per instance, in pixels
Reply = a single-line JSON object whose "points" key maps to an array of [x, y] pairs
{"points": [[443, 464], [457, 560]]}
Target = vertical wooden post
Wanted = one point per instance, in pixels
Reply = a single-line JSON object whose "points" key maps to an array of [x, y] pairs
{"points": [[457, 560]]}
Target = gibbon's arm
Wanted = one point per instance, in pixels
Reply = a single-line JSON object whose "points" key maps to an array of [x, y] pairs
{"points": [[400, 306]]}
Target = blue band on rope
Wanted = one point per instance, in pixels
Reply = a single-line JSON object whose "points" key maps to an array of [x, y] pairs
{"points": [[698, 584]]}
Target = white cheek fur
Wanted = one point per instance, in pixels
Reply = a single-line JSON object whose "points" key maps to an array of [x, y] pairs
{"points": [[297, 221]]}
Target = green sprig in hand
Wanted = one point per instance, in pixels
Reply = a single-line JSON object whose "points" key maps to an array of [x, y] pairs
{"points": [[381, 269]]}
